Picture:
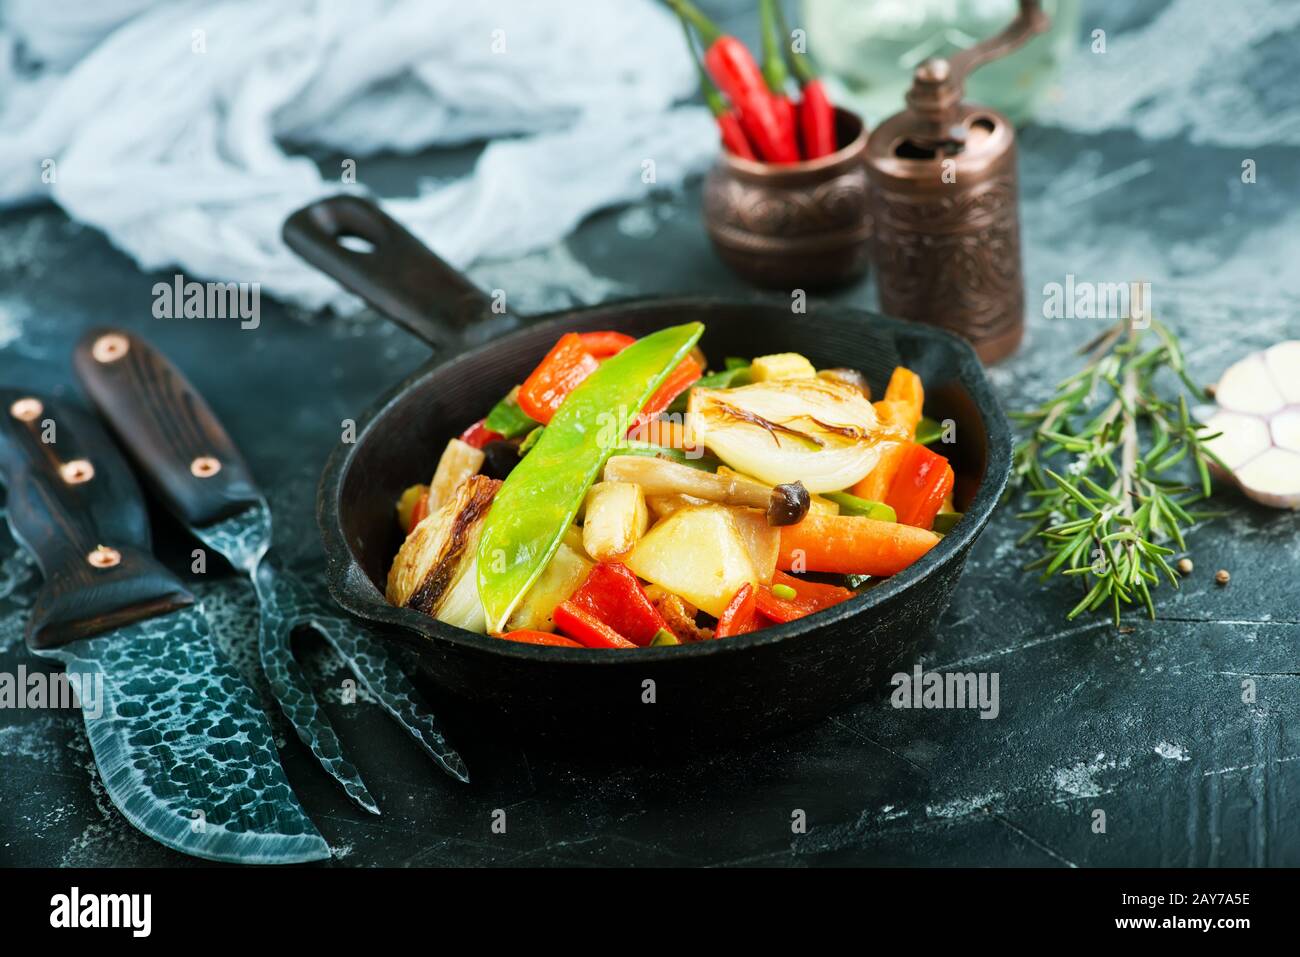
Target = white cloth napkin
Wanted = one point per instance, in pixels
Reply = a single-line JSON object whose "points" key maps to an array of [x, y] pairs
{"points": [[173, 126]]}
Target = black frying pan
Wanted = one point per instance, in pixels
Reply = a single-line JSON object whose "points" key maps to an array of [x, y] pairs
{"points": [[701, 692]]}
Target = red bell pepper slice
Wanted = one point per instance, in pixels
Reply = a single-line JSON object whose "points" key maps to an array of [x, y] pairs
{"points": [[741, 614], [613, 594], [420, 512], [528, 636], [686, 373], [605, 343], [479, 435], [923, 480], [809, 597], [566, 365], [586, 629]]}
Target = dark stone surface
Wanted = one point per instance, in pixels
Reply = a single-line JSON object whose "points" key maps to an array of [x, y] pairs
{"points": [[1146, 724]]}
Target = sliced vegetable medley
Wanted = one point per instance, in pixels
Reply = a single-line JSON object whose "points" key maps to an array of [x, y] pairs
{"points": [[623, 496]]}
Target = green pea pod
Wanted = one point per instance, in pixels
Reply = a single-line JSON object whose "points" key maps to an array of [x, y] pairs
{"points": [[541, 496]]}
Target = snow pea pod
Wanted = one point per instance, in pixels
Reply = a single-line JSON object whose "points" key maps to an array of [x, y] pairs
{"points": [[540, 498]]}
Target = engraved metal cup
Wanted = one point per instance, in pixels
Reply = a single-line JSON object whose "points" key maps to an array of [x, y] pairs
{"points": [[794, 225]]}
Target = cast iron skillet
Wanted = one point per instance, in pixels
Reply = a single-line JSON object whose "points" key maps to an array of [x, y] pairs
{"points": [[700, 692]]}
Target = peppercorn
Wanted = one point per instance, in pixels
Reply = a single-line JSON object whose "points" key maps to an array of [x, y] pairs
{"points": [[1221, 577], [1185, 566]]}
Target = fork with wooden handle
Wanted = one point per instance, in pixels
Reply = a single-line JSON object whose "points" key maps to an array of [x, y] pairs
{"points": [[194, 467]]}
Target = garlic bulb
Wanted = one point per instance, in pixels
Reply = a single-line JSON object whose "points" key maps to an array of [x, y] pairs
{"points": [[1258, 413]]}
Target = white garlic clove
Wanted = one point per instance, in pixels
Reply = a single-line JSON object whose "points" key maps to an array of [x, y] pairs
{"points": [[1285, 427], [1243, 438], [1283, 361], [1272, 478], [1248, 387]]}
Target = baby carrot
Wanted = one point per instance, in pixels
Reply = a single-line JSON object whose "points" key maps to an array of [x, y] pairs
{"points": [[851, 545], [875, 486]]}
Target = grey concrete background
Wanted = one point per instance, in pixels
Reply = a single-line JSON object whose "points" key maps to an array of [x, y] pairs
{"points": [[1133, 171]]}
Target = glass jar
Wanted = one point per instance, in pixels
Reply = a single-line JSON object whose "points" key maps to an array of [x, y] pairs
{"points": [[872, 46]]}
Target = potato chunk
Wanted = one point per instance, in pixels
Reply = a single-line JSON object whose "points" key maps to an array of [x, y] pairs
{"points": [[616, 518], [697, 553]]}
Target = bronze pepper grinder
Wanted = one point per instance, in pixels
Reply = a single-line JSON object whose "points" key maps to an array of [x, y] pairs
{"points": [[946, 202]]}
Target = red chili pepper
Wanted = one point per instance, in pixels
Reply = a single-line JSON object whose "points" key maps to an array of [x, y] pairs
{"points": [[775, 75], [733, 135], [613, 594], [817, 121], [809, 597], [923, 480], [605, 343], [528, 636], [816, 114], [586, 629], [741, 614], [733, 68], [479, 435], [566, 365]]}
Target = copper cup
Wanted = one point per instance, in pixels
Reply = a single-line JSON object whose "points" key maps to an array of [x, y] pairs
{"points": [[794, 225]]}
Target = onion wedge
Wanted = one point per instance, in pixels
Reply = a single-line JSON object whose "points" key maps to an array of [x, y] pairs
{"points": [[817, 431]]}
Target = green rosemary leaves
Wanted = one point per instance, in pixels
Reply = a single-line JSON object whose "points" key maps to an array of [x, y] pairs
{"points": [[1097, 469]]}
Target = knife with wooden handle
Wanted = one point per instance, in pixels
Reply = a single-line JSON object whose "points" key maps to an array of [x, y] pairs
{"points": [[182, 748], [196, 469]]}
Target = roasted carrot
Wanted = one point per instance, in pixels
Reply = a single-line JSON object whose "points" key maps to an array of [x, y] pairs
{"points": [[904, 398], [850, 545], [875, 486]]}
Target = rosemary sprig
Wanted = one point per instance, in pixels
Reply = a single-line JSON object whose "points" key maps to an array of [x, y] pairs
{"points": [[1094, 469]]}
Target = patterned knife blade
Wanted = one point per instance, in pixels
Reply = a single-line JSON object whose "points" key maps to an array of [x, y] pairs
{"points": [[181, 447], [183, 750]]}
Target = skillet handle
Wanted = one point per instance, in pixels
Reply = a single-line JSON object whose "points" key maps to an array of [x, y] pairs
{"points": [[398, 274]]}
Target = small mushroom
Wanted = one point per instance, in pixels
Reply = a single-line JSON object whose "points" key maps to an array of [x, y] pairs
{"points": [[788, 505]]}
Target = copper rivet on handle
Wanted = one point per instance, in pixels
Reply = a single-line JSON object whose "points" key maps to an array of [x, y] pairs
{"points": [[77, 471], [110, 347], [104, 557], [205, 466], [26, 409]]}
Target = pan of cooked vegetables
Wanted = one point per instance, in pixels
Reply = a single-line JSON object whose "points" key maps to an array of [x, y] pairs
{"points": [[665, 520]]}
